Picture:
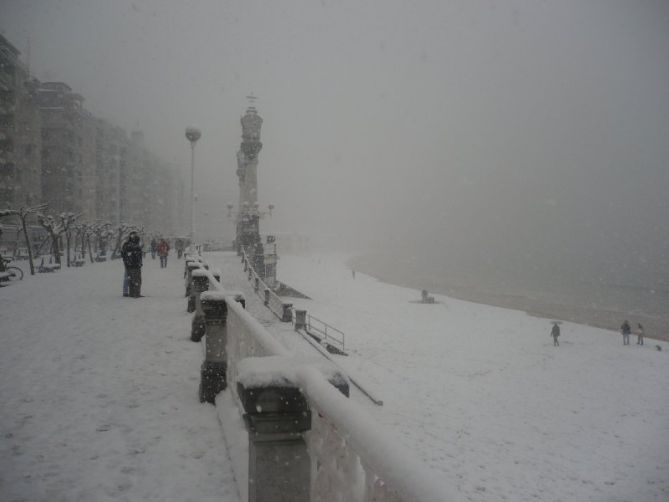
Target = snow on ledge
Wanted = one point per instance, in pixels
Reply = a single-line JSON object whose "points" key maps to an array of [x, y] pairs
{"points": [[280, 371], [220, 295]]}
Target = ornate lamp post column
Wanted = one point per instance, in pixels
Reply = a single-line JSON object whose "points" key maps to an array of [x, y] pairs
{"points": [[192, 135], [247, 171]]}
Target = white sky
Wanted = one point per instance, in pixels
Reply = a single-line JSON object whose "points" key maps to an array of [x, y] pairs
{"points": [[469, 124]]}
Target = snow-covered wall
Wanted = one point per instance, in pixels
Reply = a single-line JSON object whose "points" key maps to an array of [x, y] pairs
{"points": [[352, 458]]}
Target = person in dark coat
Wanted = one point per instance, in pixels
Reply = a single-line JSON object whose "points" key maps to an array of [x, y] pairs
{"points": [[132, 254], [625, 329], [179, 246], [555, 333], [154, 248]]}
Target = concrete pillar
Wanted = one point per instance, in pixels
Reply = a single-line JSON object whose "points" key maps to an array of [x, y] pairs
{"points": [[267, 293], [199, 283], [215, 364], [279, 465], [186, 262], [198, 327], [190, 266], [300, 319], [287, 314]]}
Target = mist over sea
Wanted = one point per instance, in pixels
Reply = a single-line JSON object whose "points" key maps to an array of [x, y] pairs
{"points": [[602, 298]]}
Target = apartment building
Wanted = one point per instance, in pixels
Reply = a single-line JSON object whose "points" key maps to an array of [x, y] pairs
{"points": [[20, 132], [63, 120]]}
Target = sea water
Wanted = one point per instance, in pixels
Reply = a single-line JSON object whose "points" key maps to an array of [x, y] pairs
{"points": [[554, 290]]}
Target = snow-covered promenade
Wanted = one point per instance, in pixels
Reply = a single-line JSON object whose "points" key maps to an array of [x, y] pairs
{"points": [[483, 397], [99, 392]]}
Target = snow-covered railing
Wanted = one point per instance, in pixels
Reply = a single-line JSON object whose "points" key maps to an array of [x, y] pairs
{"points": [[271, 300], [349, 456], [329, 334]]}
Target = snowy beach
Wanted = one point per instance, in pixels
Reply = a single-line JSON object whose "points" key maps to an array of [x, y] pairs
{"points": [[100, 391], [483, 397], [600, 305]]}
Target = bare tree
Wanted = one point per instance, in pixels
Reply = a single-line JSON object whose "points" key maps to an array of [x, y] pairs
{"points": [[67, 221], [54, 228], [23, 215], [103, 232], [81, 234]]}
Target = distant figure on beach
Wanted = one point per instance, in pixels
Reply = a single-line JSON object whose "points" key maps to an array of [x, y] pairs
{"points": [[353, 273], [555, 333], [625, 330], [639, 340]]}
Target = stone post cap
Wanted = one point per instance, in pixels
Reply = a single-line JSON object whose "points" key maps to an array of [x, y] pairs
{"points": [[280, 372], [213, 306], [199, 284], [220, 296], [272, 401]]}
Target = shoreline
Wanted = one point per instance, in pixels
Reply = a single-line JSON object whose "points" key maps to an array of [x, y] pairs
{"points": [[589, 316]]}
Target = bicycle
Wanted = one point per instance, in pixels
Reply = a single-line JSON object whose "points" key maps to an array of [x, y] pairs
{"points": [[9, 273]]}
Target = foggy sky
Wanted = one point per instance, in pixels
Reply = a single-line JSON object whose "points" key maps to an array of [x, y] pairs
{"points": [[470, 128]]}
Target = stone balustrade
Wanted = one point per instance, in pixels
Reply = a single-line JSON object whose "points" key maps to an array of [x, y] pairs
{"points": [[306, 439]]}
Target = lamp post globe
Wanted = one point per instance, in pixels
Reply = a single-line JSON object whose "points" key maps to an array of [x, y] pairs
{"points": [[192, 134]]}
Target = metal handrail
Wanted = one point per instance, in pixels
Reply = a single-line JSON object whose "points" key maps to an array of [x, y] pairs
{"points": [[321, 327], [275, 303]]}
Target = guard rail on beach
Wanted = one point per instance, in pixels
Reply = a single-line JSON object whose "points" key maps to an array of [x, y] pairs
{"points": [[272, 301], [299, 417], [328, 333]]}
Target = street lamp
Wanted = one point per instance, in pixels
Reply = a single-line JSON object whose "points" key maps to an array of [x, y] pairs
{"points": [[192, 135]]}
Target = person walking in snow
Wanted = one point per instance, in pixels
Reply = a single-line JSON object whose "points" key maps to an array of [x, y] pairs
{"points": [[555, 333], [640, 333], [154, 248], [132, 254], [179, 245], [625, 330], [163, 251]]}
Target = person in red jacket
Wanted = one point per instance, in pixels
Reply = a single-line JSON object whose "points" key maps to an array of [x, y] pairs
{"points": [[163, 251]]}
